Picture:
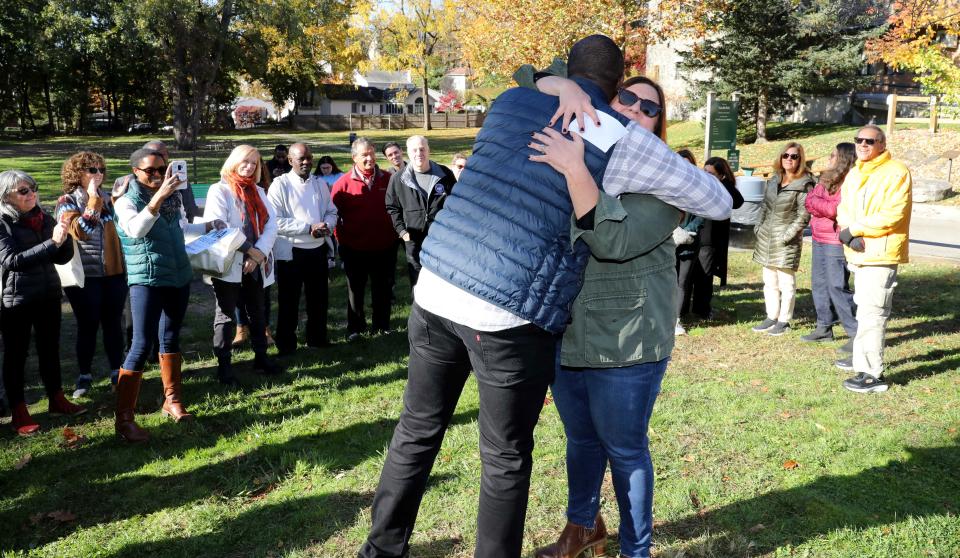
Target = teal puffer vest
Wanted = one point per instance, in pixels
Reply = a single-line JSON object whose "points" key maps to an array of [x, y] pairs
{"points": [[158, 259]]}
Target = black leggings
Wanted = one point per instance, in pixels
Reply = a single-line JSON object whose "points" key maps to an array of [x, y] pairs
{"points": [[16, 323]]}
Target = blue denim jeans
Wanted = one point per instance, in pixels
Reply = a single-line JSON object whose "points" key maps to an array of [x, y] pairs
{"points": [[155, 310], [830, 286], [605, 415]]}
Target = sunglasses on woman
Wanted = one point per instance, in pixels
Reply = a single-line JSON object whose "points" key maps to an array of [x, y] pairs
{"points": [[25, 190], [96, 170], [791, 156], [153, 170], [647, 107]]}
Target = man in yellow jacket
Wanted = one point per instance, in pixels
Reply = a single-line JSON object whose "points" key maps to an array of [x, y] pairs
{"points": [[874, 217]]}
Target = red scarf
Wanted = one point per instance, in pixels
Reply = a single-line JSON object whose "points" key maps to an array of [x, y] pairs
{"points": [[245, 188], [33, 219]]}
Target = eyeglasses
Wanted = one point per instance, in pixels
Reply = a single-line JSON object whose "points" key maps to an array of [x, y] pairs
{"points": [[150, 171], [869, 141], [791, 156], [647, 107], [95, 170], [26, 191]]}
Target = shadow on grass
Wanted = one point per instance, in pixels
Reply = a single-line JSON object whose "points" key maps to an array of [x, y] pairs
{"points": [[110, 493], [870, 498]]}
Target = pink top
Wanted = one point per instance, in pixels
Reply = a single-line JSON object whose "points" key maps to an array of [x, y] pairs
{"points": [[822, 206]]}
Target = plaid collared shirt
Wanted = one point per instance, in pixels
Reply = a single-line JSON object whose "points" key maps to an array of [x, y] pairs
{"points": [[642, 163]]}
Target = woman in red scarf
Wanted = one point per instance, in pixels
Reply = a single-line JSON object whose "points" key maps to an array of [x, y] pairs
{"points": [[240, 203]]}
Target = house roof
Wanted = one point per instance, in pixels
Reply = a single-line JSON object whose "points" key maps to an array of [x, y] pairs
{"points": [[341, 92], [381, 76]]}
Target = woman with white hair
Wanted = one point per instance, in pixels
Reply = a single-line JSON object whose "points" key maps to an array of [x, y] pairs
{"points": [[30, 244], [239, 202]]}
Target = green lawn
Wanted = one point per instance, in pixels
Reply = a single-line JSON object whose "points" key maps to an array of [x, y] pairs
{"points": [[287, 466]]}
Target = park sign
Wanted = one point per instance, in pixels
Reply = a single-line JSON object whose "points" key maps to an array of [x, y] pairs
{"points": [[721, 126], [733, 157]]}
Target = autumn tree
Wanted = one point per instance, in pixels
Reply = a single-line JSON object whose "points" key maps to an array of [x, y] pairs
{"points": [[414, 35], [498, 37], [915, 39], [775, 52]]}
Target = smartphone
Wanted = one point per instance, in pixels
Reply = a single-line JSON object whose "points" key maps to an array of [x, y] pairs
{"points": [[179, 168]]}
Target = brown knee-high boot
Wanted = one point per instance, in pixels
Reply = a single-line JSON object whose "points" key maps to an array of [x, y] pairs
{"points": [[170, 365], [128, 388], [576, 541]]}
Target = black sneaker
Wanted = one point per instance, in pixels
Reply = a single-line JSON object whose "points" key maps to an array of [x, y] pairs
{"points": [[818, 335], [865, 383], [847, 347], [844, 363], [764, 325], [778, 329]]}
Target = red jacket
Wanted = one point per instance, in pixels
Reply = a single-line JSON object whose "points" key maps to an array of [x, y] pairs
{"points": [[363, 220], [822, 207]]}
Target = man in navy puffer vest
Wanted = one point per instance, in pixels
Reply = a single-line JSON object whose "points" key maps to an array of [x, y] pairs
{"points": [[498, 279]]}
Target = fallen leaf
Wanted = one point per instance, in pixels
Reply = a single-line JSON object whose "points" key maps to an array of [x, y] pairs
{"points": [[695, 500], [757, 528], [689, 458], [547, 400], [785, 415], [950, 430], [62, 516], [22, 462], [820, 426], [756, 382], [790, 464], [725, 478], [71, 440]]}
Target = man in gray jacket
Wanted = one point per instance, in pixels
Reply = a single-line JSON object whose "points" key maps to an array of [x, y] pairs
{"points": [[414, 197], [306, 217]]}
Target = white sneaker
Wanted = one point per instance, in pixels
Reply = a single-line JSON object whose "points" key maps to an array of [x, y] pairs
{"points": [[679, 330]]}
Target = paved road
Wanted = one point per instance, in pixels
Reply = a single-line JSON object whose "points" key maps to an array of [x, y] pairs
{"points": [[935, 232]]}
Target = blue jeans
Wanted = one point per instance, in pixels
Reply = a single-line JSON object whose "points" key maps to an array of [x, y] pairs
{"points": [[830, 286], [605, 415], [155, 310]]}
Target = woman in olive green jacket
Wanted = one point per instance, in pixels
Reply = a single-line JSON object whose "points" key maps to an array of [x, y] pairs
{"points": [[780, 236]]}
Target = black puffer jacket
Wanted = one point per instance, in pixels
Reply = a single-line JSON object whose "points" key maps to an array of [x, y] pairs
{"points": [[26, 261]]}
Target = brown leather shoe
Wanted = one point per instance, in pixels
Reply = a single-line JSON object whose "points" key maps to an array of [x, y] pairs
{"points": [[578, 542], [242, 336], [128, 389], [170, 366]]}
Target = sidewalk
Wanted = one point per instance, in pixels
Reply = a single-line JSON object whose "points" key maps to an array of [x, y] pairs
{"points": [[935, 232]]}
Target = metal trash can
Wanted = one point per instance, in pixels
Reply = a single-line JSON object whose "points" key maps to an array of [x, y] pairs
{"points": [[744, 219]]}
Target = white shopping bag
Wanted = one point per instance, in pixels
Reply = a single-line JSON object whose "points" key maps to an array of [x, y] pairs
{"points": [[71, 273], [213, 253]]}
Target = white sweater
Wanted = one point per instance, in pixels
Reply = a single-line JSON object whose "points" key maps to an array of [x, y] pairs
{"points": [[299, 204]]}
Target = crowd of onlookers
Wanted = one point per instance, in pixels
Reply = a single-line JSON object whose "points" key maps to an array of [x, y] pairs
{"points": [[119, 254]]}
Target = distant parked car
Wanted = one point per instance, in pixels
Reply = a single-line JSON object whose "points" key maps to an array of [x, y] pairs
{"points": [[140, 127], [167, 129]]}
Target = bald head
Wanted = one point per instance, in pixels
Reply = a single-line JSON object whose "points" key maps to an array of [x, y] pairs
{"points": [[419, 152], [300, 159]]}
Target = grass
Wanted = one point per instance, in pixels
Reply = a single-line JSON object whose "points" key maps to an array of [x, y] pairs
{"points": [[287, 466]]}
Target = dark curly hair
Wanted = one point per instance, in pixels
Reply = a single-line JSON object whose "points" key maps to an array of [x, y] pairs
{"points": [[71, 174]]}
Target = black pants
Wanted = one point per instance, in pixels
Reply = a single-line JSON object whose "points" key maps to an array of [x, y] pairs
{"points": [[380, 267], [695, 283], [249, 290], [241, 314], [513, 369], [43, 318], [99, 305], [308, 271], [412, 250]]}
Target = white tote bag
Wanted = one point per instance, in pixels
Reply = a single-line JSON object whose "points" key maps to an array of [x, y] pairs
{"points": [[71, 273], [213, 253]]}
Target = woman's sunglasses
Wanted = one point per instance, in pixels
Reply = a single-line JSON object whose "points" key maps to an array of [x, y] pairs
{"points": [[791, 156], [26, 190], [96, 170], [647, 107], [153, 170]]}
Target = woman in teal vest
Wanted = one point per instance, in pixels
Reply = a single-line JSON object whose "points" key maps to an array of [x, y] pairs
{"points": [[151, 223]]}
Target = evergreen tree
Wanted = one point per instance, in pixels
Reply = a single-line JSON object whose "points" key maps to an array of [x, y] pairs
{"points": [[774, 52]]}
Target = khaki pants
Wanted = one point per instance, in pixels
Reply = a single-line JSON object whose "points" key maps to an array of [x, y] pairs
{"points": [[873, 293], [779, 292]]}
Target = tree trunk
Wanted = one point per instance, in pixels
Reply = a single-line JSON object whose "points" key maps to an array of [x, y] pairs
{"points": [[426, 101], [48, 104], [762, 116]]}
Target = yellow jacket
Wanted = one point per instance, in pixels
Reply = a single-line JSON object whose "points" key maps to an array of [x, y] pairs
{"points": [[875, 203]]}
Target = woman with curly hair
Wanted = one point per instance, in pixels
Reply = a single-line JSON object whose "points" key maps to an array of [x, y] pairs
{"points": [[87, 213]]}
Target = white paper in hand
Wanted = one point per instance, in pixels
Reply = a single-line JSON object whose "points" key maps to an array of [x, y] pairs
{"points": [[610, 131]]}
